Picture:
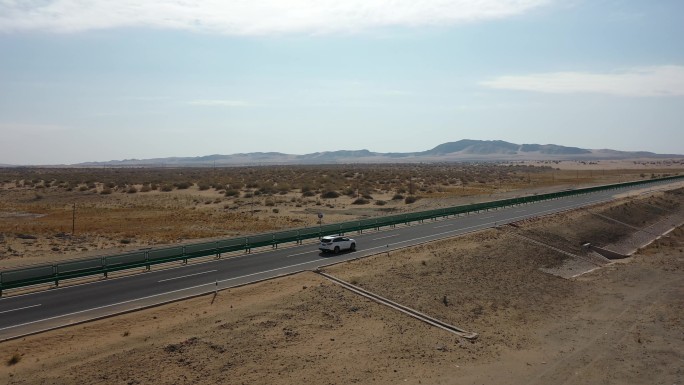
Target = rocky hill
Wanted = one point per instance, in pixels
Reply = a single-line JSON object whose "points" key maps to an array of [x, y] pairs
{"points": [[465, 150]]}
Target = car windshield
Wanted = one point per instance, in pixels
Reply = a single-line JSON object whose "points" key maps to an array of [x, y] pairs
{"points": [[326, 240]]}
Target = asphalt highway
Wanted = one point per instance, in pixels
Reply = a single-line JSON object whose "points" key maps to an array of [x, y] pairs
{"points": [[53, 308]]}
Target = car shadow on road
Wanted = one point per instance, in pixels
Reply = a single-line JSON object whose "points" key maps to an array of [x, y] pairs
{"points": [[330, 254]]}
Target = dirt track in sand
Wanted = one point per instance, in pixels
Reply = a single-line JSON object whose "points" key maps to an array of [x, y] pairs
{"points": [[619, 324]]}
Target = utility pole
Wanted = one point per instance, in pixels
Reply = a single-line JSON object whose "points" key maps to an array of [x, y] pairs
{"points": [[73, 220], [320, 224]]}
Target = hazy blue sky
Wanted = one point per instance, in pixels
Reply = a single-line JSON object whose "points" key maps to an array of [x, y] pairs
{"points": [[97, 80]]}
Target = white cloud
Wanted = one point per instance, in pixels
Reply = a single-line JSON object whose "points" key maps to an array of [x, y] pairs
{"points": [[643, 81], [219, 103], [251, 17]]}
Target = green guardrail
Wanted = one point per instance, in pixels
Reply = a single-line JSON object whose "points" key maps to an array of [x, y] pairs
{"points": [[38, 274]]}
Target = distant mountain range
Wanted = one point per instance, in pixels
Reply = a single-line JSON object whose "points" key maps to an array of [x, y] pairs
{"points": [[461, 151]]}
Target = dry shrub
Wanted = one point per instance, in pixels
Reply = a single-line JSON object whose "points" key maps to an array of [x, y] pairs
{"points": [[411, 199], [330, 194], [183, 185], [14, 359]]}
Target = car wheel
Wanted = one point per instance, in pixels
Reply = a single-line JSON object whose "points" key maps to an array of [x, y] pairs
{"points": [[337, 249], [352, 247]]}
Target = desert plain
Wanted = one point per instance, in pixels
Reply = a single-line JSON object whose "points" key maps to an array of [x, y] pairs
{"points": [[541, 315]]}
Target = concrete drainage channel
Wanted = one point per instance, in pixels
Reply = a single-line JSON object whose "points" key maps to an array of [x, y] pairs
{"points": [[406, 310]]}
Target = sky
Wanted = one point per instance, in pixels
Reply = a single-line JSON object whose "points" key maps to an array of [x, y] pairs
{"points": [[99, 80]]}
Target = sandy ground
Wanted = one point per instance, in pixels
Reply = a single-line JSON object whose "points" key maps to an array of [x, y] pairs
{"points": [[621, 324], [40, 225]]}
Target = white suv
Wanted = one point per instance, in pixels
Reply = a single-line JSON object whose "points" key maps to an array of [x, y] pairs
{"points": [[336, 243]]}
